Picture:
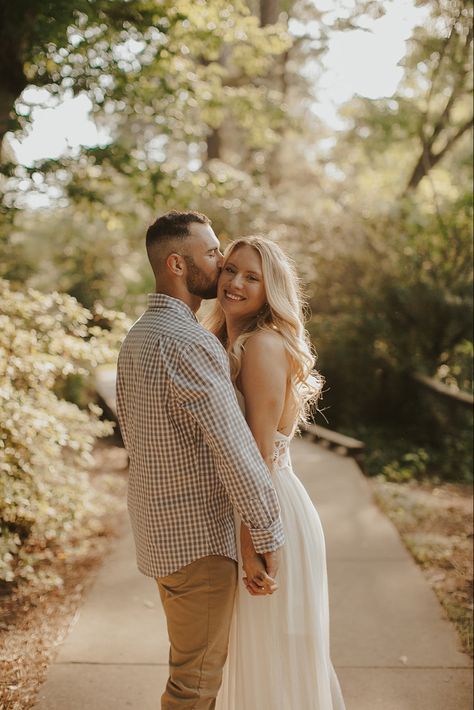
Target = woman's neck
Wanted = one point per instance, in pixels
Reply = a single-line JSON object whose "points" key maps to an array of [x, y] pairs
{"points": [[234, 328]]}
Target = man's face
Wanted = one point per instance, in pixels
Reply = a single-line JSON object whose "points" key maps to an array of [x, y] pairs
{"points": [[203, 261]]}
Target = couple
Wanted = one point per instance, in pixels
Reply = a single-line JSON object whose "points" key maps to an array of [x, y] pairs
{"points": [[207, 415]]}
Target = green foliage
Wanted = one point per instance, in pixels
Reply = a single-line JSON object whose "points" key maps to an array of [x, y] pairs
{"points": [[47, 505], [161, 78], [412, 465], [91, 252], [391, 273], [399, 300], [431, 111], [395, 301]]}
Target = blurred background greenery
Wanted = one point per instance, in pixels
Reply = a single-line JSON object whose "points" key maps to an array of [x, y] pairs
{"points": [[210, 106]]}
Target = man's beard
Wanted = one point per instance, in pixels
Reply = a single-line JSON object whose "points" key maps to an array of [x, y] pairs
{"points": [[197, 282]]}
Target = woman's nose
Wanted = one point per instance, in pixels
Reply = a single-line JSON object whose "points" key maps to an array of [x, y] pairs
{"points": [[237, 280]]}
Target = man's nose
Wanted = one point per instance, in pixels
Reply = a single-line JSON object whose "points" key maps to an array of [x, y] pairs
{"points": [[220, 259]]}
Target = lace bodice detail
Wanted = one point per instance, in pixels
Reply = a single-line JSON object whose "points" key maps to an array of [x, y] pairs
{"points": [[281, 452]]}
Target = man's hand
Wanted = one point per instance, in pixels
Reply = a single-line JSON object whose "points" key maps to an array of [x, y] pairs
{"points": [[257, 580], [272, 562]]}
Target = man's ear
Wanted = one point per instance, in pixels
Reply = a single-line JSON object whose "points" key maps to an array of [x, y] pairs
{"points": [[175, 264]]}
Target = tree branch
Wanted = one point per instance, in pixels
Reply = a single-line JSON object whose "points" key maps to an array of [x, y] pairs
{"points": [[428, 159], [454, 138]]}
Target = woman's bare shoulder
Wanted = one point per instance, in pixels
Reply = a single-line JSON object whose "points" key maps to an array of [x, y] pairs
{"points": [[265, 343]]}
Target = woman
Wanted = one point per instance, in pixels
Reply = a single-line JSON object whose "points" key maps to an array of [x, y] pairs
{"points": [[279, 644]]}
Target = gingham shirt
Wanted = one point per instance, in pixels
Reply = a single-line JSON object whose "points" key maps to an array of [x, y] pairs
{"points": [[192, 456]]}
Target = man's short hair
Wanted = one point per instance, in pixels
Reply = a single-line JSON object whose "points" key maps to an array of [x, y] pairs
{"points": [[171, 226]]}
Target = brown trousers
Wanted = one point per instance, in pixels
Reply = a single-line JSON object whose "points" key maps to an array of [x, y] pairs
{"points": [[198, 601]]}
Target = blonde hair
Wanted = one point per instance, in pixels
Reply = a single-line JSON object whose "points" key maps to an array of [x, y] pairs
{"points": [[283, 312]]}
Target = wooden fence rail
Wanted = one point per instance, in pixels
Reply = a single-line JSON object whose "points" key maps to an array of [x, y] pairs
{"points": [[447, 392]]}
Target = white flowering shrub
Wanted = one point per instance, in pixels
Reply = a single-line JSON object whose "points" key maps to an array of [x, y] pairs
{"points": [[48, 506]]}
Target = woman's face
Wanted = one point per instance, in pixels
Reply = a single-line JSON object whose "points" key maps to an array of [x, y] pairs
{"points": [[241, 291]]}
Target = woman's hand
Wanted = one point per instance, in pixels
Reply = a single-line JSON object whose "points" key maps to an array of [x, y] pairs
{"points": [[256, 580]]}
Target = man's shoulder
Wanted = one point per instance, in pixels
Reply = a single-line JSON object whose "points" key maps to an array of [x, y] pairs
{"points": [[198, 339], [173, 332]]}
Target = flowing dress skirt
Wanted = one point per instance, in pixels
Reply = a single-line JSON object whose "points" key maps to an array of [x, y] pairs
{"points": [[279, 655]]}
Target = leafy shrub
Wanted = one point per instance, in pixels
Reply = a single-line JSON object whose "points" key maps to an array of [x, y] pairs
{"points": [[47, 504], [412, 465], [396, 301]]}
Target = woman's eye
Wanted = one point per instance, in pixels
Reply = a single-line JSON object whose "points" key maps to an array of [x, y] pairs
{"points": [[228, 269]]}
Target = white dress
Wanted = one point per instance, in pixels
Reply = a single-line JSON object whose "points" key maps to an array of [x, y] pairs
{"points": [[279, 644]]}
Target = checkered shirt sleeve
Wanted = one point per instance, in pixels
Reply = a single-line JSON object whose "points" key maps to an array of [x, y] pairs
{"points": [[203, 389]]}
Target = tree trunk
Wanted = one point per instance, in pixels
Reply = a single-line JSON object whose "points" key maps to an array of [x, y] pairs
{"points": [[12, 80], [422, 168], [214, 144], [6, 105], [269, 12]]}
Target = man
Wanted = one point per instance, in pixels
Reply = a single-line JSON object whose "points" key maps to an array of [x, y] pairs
{"points": [[192, 459]]}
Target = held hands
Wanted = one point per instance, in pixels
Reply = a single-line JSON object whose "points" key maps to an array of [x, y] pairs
{"points": [[260, 570]]}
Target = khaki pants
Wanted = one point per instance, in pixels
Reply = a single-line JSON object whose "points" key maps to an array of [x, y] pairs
{"points": [[198, 601]]}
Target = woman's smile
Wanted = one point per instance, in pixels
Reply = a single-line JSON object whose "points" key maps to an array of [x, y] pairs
{"points": [[233, 296]]}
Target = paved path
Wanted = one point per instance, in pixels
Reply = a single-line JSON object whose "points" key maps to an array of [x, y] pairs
{"points": [[392, 648]]}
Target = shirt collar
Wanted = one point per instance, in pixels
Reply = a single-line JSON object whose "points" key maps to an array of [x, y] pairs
{"points": [[161, 300]]}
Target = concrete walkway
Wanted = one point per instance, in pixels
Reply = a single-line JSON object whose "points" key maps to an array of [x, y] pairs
{"points": [[391, 646]]}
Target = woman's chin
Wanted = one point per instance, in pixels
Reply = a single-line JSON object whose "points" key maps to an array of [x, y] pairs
{"points": [[235, 310], [226, 304]]}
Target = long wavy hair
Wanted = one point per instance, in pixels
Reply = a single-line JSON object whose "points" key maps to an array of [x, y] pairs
{"points": [[284, 313]]}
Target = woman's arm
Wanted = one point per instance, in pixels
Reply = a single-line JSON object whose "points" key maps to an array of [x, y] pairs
{"points": [[263, 381]]}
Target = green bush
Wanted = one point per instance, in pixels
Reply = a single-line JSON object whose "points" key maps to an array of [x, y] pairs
{"points": [[412, 465], [396, 301], [47, 504]]}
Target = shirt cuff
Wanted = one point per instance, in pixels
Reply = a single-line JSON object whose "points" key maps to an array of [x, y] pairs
{"points": [[269, 539]]}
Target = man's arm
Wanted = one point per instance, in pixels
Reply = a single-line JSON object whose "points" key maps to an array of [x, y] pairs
{"points": [[203, 388]]}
